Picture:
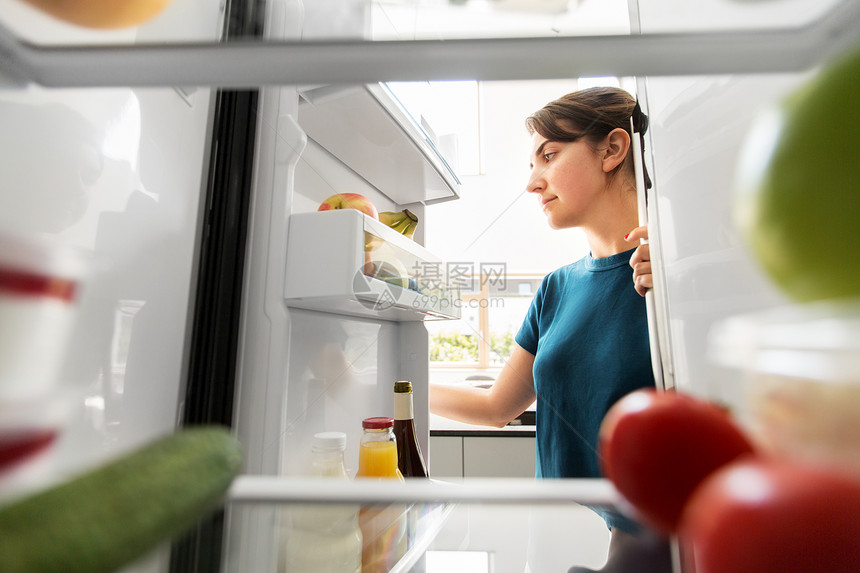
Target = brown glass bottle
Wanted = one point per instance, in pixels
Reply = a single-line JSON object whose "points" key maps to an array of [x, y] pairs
{"points": [[409, 458]]}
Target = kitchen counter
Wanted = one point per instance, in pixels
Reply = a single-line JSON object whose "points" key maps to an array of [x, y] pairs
{"points": [[468, 450], [522, 426], [440, 426]]}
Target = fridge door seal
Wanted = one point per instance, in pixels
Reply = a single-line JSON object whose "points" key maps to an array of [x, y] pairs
{"points": [[212, 355]]}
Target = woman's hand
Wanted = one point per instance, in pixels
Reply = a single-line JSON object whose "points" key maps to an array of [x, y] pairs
{"points": [[641, 261]]}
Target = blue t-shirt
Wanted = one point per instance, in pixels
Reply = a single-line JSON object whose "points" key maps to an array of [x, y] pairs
{"points": [[588, 330]]}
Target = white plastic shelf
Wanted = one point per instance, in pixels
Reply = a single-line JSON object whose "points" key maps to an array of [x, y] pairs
{"points": [[253, 489], [252, 63], [344, 262], [368, 129]]}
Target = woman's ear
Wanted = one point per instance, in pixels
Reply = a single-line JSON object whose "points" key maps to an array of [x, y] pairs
{"points": [[618, 142]]}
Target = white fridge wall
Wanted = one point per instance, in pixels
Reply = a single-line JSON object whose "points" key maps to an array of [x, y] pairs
{"points": [[361, 359], [301, 371], [117, 174], [276, 352]]}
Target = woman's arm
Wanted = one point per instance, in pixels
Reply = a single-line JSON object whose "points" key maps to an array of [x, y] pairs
{"points": [[512, 392], [641, 261]]}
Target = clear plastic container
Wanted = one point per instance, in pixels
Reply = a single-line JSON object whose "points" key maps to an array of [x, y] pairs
{"points": [[801, 392]]}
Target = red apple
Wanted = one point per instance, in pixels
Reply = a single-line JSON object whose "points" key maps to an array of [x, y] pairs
{"points": [[350, 201]]}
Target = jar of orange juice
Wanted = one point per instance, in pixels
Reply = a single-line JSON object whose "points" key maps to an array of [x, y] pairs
{"points": [[383, 527], [377, 455]]}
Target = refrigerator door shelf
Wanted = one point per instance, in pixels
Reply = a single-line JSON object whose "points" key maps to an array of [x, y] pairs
{"points": [[400, 531], [254, 489], [516, 521], [344, 262], [367, 128]]}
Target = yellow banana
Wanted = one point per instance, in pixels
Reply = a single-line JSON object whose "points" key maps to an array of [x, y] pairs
{"points": [[391, 218], [400, 224], [403, 222], [409, 231], [413, 223]]}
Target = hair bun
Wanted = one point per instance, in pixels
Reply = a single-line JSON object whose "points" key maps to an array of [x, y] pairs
{"points": [[640, 120]]}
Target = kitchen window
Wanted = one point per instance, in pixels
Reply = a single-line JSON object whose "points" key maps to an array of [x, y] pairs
{"points": [[492, 312]]}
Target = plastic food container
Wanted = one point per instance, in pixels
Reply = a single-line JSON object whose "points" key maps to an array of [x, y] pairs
{"points": [[801, 387], [39, 287]]}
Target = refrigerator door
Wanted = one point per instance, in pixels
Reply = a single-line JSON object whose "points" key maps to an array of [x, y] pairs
{"points": [[699, 125]]}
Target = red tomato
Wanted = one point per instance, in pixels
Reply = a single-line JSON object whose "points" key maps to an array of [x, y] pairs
{"points": [[761, 515], [656, 447]]}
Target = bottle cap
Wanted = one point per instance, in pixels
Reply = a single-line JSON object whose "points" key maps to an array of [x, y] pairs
{"points": [[377, 423], [403, 387], [329, 441]]}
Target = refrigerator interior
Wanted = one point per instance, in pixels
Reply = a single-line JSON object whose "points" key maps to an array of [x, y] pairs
{"points": [[138, 159]]}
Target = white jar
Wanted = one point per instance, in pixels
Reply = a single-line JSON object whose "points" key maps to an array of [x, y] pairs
{"points": [[323, 538]]}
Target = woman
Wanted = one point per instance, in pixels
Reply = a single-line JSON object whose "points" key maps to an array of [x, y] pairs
{"points": [[584, 342]]}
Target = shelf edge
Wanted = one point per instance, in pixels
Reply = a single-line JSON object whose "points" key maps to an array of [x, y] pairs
{"points": [[252, 64], [273, 489]]}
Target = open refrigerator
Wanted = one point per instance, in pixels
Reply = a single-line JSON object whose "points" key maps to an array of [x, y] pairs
{"points": [[184, 160]]}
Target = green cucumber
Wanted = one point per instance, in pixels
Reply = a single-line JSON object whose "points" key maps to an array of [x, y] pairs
{"points": [[116, 513]]}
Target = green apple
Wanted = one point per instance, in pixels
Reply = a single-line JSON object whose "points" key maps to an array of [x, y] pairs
{"points": [[798, 201]]}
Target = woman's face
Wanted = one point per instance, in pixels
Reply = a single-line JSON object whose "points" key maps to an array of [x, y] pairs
{"points": [[568, 178]]}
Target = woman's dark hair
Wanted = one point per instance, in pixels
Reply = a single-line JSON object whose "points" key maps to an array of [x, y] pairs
{"points": [[591, 114]]}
